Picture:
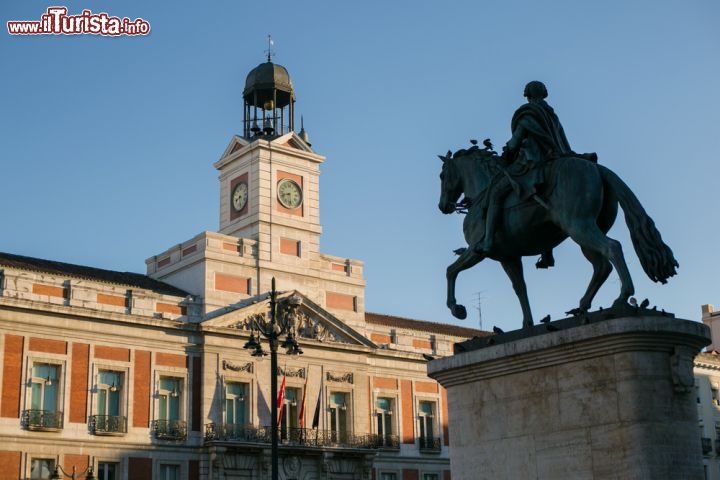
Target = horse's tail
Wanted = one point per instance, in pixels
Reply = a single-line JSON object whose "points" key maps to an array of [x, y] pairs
{"points": [[655, 256]]}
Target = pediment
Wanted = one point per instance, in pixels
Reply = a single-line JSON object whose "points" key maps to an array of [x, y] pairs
{"points": [[236, 143], [311, 322], [292, 140]]}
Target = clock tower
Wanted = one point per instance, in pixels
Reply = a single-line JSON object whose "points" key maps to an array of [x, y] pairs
{"points": [[269, 214], [269, 177]]}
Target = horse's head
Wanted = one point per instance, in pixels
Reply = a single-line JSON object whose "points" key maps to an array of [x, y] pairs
{"points": [[450, 184]]}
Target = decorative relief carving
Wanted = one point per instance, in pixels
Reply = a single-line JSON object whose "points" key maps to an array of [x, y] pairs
{"points": [[339, 377], [681, 369], [247, 323], [246, 367], [288, 372], [313, 329]]}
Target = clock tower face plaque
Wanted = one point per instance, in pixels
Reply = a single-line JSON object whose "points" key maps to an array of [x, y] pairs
{"points": [[290, 194], [239, 196]]}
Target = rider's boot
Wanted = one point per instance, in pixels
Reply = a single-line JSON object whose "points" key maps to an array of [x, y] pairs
{"points": [[546, 260], [493, 214]]}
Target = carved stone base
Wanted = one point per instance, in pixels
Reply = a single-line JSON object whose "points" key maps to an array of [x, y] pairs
{"points": [[611, 399]]}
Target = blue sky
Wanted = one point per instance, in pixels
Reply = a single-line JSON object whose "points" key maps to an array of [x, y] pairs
{"points": [[108, 143]]}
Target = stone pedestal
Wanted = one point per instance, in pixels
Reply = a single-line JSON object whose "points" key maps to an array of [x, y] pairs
{"points": [[610, 399]]}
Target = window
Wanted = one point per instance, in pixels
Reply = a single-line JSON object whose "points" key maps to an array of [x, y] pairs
{"points": [[388, 476], [426, 427], [108, 418], [108, 398], [169, 398], [44, 387], [235, 405], [338, 417], [107, 471], [426, 413], [383, 414], [430, 476], [168, 425], [715, 397], [41, 467], [169, 472], [43, 412], [289, 421]]}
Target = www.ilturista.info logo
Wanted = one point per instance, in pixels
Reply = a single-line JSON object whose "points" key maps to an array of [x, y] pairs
{"points": [[57, 22]]}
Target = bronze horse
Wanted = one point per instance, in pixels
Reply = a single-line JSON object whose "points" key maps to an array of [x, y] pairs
{"points": [[579, 200]]}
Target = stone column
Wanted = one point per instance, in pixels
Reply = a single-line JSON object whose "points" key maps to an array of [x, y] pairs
{"points": [[610, 399]]}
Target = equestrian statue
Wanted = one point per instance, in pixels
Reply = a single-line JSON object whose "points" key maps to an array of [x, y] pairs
{"points": [[536, 194]]}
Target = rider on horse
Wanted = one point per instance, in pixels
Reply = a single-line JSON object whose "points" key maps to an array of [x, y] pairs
{"points": [[537, 136]]}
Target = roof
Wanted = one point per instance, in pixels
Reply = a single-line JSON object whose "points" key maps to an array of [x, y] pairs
{"points": [[422, 325], [130, 279]]}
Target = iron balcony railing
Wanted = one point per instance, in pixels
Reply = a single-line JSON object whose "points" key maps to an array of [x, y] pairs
{"points": [[386, 442], [237, 432], [305, 437], [175, 430], [108, 425], [430, 444], [706, 445], [44, 420]]}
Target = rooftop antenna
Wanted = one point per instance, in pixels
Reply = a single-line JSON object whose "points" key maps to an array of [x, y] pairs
{"points": [[479, 297], [269, 50]]}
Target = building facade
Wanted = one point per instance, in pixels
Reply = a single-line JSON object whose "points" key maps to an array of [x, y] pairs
{"points": [[145, 377]]}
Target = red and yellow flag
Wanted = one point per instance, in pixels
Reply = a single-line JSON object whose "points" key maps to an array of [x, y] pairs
{"points": [[281, 400], [301, 413]]}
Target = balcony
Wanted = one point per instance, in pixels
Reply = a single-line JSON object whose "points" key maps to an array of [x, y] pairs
{"points": [[42, 420], [297, 437], [430, 444], [107, 425], [706, 445], [237, 433], [173, 430], [386, 442]]}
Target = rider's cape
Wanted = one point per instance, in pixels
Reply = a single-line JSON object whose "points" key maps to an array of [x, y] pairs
{"points": [[549, 141], [544, 125]]}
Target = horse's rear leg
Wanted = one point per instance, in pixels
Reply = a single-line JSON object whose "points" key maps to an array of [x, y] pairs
{"points": [[601, 270], [466, 260], [590, 237], [514, 270]]}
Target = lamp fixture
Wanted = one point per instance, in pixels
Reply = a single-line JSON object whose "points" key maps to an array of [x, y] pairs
{"points": [[48, 381], [114, 388], [175, 393]]}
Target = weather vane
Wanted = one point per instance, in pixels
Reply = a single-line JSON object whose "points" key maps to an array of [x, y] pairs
{"points": [[269, 50]]}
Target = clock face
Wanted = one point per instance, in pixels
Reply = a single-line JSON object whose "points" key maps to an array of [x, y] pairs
{"points": [[289, 193], [240, 196]]}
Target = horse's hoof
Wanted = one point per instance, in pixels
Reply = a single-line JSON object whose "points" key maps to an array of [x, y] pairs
{"points": [[459, 311]]}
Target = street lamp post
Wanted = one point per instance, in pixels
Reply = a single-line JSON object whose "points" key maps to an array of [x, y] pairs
{"points": [[272, 330], [73, 475]]}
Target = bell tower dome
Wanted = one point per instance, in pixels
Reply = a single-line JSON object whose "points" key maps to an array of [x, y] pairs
{"points": [[269, 101]]}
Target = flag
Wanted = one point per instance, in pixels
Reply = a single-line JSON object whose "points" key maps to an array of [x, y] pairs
{"points": [[281, 400], [301, 413], [316, 417]]}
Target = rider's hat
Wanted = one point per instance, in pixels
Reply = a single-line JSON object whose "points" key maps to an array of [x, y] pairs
{"points": [[535, 89]]}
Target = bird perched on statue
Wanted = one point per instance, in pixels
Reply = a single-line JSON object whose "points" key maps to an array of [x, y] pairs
{"points": [[459, 251], [473, 141], [633, 301], [644, 303], [498, 330], [545, 319]]}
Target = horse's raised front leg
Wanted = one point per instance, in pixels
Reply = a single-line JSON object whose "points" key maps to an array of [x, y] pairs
{"points": [[467, 259], [514, 270], [601, 270]]}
